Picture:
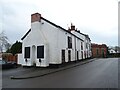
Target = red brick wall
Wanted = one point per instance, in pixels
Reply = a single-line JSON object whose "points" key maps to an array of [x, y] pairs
{"points": [[12, 58], [35, 17], [9, 57], [101, 48]]}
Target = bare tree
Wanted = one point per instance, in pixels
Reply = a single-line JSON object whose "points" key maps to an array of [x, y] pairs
{"points": [[4, 44]]}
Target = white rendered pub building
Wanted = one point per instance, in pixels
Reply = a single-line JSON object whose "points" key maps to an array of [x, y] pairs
{"points": [[47, 43]]}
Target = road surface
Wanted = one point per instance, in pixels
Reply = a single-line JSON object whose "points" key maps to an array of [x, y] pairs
{"points": [[101, 73]]}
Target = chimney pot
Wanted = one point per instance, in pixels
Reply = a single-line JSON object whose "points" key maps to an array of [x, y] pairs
{"points": [[72, 27]]}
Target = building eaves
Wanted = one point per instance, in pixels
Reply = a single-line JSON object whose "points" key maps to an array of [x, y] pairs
{"points": [[87, 36], [26, 34], [55, 26], [98, 45], [60, 27]]}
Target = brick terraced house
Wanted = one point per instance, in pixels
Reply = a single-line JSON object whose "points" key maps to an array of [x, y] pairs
{"points": [[98, 50]]}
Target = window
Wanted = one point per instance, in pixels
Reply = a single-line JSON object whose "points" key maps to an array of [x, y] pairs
{"points": [[40, 51], [63, 56], [27, 52], [81, 45], [69, 42]]}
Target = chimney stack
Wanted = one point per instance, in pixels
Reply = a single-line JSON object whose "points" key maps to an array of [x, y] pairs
{"points": [[72, 28], [35, 17]]}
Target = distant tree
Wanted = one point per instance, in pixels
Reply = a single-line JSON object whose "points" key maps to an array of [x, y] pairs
{"points": [[4, 44], [15, 48]]}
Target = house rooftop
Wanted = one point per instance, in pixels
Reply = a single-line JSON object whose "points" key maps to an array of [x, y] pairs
{"points": [[57, 27], [98, 45]]}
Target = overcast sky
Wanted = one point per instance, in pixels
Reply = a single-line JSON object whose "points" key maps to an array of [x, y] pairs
{"points": [[97, 18]]}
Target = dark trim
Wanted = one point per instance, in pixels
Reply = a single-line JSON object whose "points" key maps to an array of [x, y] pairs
{"points": [[26, 34]]}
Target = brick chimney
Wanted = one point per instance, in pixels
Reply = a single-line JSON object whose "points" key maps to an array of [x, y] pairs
{"points": [[72, 28], [35, 17]]}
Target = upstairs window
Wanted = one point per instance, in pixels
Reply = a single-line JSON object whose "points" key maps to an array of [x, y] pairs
{"points": [[69, 42], [27, 52], [81, 45]]}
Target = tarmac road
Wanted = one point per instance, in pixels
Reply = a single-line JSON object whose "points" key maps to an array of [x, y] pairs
{"points": [[101, 73]]}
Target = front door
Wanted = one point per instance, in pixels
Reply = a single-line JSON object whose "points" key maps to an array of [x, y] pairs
{"points": [[77, 55], [69, 55], [82, 54], [63, 56]]}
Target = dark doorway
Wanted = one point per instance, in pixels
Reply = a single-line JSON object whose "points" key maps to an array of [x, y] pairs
{"points": [[69, 55], [77, 55], [82, 54], [63, 56]]}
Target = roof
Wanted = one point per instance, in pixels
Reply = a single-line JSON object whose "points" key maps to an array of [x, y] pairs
{"points": [[93, 45], [87, 36], [60, 27], [26, 34], [53, 25]]}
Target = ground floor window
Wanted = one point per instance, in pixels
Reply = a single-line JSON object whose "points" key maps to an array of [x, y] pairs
{"points": [[27, 52], [40, 51]]}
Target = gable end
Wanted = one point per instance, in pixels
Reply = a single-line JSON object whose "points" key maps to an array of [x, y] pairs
{"points": [[26, 34]]}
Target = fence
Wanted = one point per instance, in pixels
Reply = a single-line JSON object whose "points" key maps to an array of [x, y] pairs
{"points": [[9, 57]]}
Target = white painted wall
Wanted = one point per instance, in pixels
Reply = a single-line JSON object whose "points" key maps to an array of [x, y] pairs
{"points": [[20, 59], [52, 35], [54, 40], [112, 51], [35, 38]]}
